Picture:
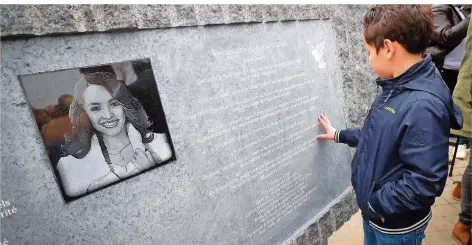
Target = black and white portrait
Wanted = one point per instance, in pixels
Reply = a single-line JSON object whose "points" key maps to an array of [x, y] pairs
{"points": [[100, 124]]}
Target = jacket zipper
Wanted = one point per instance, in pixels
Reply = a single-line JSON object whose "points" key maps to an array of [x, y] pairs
{"points": [[389, 94], [365, 124], [370, 190], [373, 106]]}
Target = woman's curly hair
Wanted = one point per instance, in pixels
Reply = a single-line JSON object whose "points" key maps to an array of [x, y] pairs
{"points": [[78, 141]]}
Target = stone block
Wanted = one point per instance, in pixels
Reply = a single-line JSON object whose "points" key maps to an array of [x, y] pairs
{"points": [[87, 19], [235, 13], [325, 11], [154, 15], [15, 20], [344, 209], [271, 12], [116, 16], [184, 15], [302, 239], [313, 234], [253, 13], [54, 18], [287, 12], [210, 14], [326, 225], [306, 12]]}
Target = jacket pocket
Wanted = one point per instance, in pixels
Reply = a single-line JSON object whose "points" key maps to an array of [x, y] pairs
{"points": [[369, 193], [365, 178], [374, 215]]}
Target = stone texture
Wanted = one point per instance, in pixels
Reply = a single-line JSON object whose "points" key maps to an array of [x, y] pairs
{"points": [[320, 229], [152, 15], [185, 15], [302, 240], [253, 13], [310, 236], [325, 11], [288, 12], [327, 224], [313, 232], [235, 13], [27, 20], [279, 12], [306, 12], [56, 19], [210, 14], [271, 13], [116, 16], [324, 242], [358, 80], [344, 209], [88, 21], [17, 19]]}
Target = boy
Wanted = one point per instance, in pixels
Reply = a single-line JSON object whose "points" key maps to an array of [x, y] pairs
{"points": [[400, 165]]}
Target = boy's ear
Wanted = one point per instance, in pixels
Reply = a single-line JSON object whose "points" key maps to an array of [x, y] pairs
{"points": [[389, 48]]}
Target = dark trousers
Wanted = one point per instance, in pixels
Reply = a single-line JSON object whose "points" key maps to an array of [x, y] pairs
{"points": [[449, 77]]}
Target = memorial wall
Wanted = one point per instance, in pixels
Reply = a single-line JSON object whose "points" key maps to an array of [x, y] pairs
{"points": [[186, 124]]}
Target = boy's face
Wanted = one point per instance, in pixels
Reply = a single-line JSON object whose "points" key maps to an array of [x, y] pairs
{"points": [[379, 62]]}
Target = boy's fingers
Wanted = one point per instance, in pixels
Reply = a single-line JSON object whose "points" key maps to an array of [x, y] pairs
{"points": [[322, 136], [323, 123], [328, 121], [325, 118]]}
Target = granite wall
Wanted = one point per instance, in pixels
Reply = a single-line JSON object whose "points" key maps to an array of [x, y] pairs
{"points": [[36, 20], [44, 38]]}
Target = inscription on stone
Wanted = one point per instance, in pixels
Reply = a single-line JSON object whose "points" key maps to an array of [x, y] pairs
{"points": [[240, 102], [255, 105]]}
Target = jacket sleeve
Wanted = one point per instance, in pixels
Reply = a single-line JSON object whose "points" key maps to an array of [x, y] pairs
{"points": [[348, 136], [444, 32], [423, 150]]}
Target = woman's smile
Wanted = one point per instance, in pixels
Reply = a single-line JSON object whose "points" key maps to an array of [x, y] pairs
{"points": [[110, 123]]}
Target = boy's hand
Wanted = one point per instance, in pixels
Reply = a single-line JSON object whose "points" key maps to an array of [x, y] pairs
{"points": [[329, 129]]}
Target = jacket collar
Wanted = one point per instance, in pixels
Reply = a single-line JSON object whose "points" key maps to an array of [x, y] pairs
{"points": [[406, 76]]}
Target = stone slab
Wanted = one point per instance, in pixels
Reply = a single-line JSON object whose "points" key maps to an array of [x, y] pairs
{"points": [[27, 179], [241, 103], [19, 21]]}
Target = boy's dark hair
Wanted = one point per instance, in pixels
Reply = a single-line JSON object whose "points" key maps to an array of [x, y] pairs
{"points": [[409, 25]]}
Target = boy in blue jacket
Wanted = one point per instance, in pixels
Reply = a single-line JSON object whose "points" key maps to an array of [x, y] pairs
{"points": [[401, 159]]}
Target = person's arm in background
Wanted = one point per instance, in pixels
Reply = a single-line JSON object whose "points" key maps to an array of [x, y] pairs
{"points": [[444, 32], [468, 55], [348, 136]]}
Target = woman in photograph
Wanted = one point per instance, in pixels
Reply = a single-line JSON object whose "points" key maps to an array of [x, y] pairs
{"points": [[110, 138]]}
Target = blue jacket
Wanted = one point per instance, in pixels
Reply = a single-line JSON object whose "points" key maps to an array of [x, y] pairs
{"points": [[401, 160]]}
